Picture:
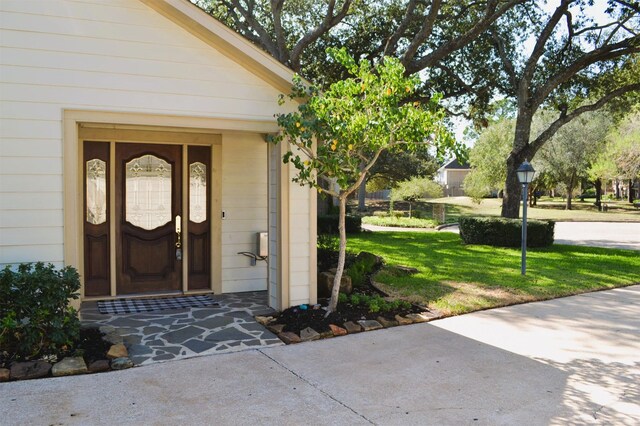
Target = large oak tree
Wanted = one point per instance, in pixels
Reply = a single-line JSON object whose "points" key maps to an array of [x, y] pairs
{"points": [[539, 55]]}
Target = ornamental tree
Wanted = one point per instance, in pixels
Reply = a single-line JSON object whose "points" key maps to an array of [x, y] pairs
{"points": [[340, 133]]}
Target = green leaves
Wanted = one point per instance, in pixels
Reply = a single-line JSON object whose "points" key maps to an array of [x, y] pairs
{"points": [[341, 132]]}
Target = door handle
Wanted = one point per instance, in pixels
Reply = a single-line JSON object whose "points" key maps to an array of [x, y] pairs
{"points": [[178, 237]]}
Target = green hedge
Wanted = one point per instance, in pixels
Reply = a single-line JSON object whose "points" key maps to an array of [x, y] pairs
{"points": [[502, 232], [328, 224]]}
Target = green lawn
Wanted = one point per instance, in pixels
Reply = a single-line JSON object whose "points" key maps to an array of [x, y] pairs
{"points": [[547, 208], [455, 278]]}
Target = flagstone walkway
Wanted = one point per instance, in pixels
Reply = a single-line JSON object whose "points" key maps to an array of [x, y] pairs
{"points": [[184, 333]]}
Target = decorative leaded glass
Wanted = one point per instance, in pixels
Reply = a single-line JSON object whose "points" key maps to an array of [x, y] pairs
{"points": [[148, 192], [96, 197], [197, 192]]}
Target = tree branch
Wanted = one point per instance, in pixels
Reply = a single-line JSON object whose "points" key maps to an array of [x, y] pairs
{"points": [[506, 62], [539, 49], [565, 118], [276, 13], [491, 15], [604, 53], [425, 31], [330, 20], [263, 35], [392, 42]]}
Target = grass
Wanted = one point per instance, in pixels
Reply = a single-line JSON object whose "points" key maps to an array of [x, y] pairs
{"points": [[402, 222], [455, 278], [547, 208]]}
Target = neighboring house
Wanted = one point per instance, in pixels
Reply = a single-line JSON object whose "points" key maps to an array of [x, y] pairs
{"points": [[451, 177], [132, 147]]}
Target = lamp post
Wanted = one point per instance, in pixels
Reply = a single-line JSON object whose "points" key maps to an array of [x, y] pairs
{"points": [[525, 176]]}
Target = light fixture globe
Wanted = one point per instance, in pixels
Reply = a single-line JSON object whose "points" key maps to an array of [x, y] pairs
{"points": [[525, 173]]}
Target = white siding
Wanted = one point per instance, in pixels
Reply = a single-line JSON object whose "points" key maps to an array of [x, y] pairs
{"points": [[274, 162], [299, 244], [114, 56], [245, 203]]}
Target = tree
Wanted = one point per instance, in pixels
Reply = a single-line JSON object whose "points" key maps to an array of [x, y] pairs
{"points": [[622, 156], [340, 133], [573, 59], [567, 157], [487, 159], [390, 169], [414, 189], [537, 55]]}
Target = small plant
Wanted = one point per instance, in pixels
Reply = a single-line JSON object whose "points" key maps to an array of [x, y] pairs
{"points": [[328, 242], [377, 303], [35, 316], [343, 298]]}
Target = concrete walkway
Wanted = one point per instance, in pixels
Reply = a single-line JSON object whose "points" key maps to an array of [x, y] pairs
{"points": [[566, 361]]}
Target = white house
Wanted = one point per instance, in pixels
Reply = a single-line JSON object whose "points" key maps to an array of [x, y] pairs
{"points": [[451, 176], [132, 147]]}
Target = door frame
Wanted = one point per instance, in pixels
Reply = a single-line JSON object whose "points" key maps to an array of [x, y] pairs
{"points": [[111, 127]]}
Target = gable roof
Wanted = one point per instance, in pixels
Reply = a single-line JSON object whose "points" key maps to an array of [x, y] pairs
{"points": [[455, 165], [213, 32]]}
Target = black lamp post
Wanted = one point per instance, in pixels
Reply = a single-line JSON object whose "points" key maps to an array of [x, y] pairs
{"points": [[525, 176]]}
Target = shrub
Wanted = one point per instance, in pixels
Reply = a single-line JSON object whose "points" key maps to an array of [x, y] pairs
{"points": [[381, 214], [328, 224], [364, 265], [328, 242], [35, 316], [502, 232], [415, 188]]}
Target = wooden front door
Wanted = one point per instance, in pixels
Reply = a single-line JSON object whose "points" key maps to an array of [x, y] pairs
{"points": [[148, 207]]}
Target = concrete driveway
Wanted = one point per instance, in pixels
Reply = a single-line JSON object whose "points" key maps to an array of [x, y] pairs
{"points": [[566, 361], [599, 234]]}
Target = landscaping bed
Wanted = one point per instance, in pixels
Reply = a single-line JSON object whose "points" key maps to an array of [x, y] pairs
{"points": [[92, 353], [366, 308]]}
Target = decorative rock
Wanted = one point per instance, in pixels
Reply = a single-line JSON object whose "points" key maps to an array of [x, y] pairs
{"points": [[422, 317], [117, 351], [106, 329], [69, 366], [4, 375], [276, 328], [99, 366], [121, 363], [368, 325], [289, 338], [308, 334], [337, 331], [402, 320], [326, 334], [365, 256], [263, 320], [29, 370], [325, 284], [352, 327], [113, 338], [406, 270], [387, 323]]}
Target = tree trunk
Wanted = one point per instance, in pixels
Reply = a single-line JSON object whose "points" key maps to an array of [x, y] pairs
{"points": [[362, 194], [631, 191], [598, 202], [569, 197], [617, 189], [512, 188], [333, 303]]}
